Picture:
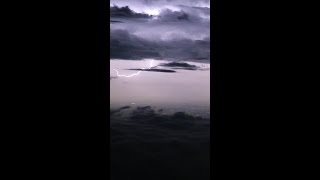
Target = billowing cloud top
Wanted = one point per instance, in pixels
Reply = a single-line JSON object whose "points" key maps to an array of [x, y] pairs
{"points": [[162, 29], [154, 6]]}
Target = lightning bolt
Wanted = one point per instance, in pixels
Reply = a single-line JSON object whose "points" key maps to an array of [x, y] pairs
{"points": [[134, 74]]}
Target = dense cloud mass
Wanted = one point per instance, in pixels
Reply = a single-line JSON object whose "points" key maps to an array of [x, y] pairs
{"points": [[145, 143], [164, 29], [124, 45]]}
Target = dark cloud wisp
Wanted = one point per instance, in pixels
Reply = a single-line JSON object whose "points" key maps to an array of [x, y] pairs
{"points": [[155, 70]]}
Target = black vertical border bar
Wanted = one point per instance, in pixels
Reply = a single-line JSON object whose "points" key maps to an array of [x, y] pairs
{"points": [[102, 64], [99, 31], [106, 31], [219, 137], [215, 87], [60, 95]]}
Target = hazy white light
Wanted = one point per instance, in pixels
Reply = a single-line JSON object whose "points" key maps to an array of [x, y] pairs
{"points": [[154, 12]]}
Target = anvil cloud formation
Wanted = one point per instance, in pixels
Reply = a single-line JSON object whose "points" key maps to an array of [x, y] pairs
{"points": [[160, 29]]}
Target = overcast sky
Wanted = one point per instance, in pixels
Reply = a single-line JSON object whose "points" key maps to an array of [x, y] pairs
{"points": [[160, 29]]}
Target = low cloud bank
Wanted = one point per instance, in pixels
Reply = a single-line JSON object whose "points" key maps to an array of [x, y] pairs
{"points": [[146, 143]]}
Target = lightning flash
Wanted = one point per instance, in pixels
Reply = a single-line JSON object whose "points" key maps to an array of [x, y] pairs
{"points": [[134, 74]]}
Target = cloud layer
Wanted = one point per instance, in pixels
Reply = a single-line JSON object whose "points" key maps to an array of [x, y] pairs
{"points": [[124, 45], [179, 30], [148, 144]]}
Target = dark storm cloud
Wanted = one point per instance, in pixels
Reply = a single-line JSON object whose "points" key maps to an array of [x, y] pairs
{"points": [[168, 15], [145, 142], [173, 66], [167, 25], [191, 14], [155, 70], [126, 12], [158, 3], [124, 45], [179, 31], [178, 64], [181, 65]]}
